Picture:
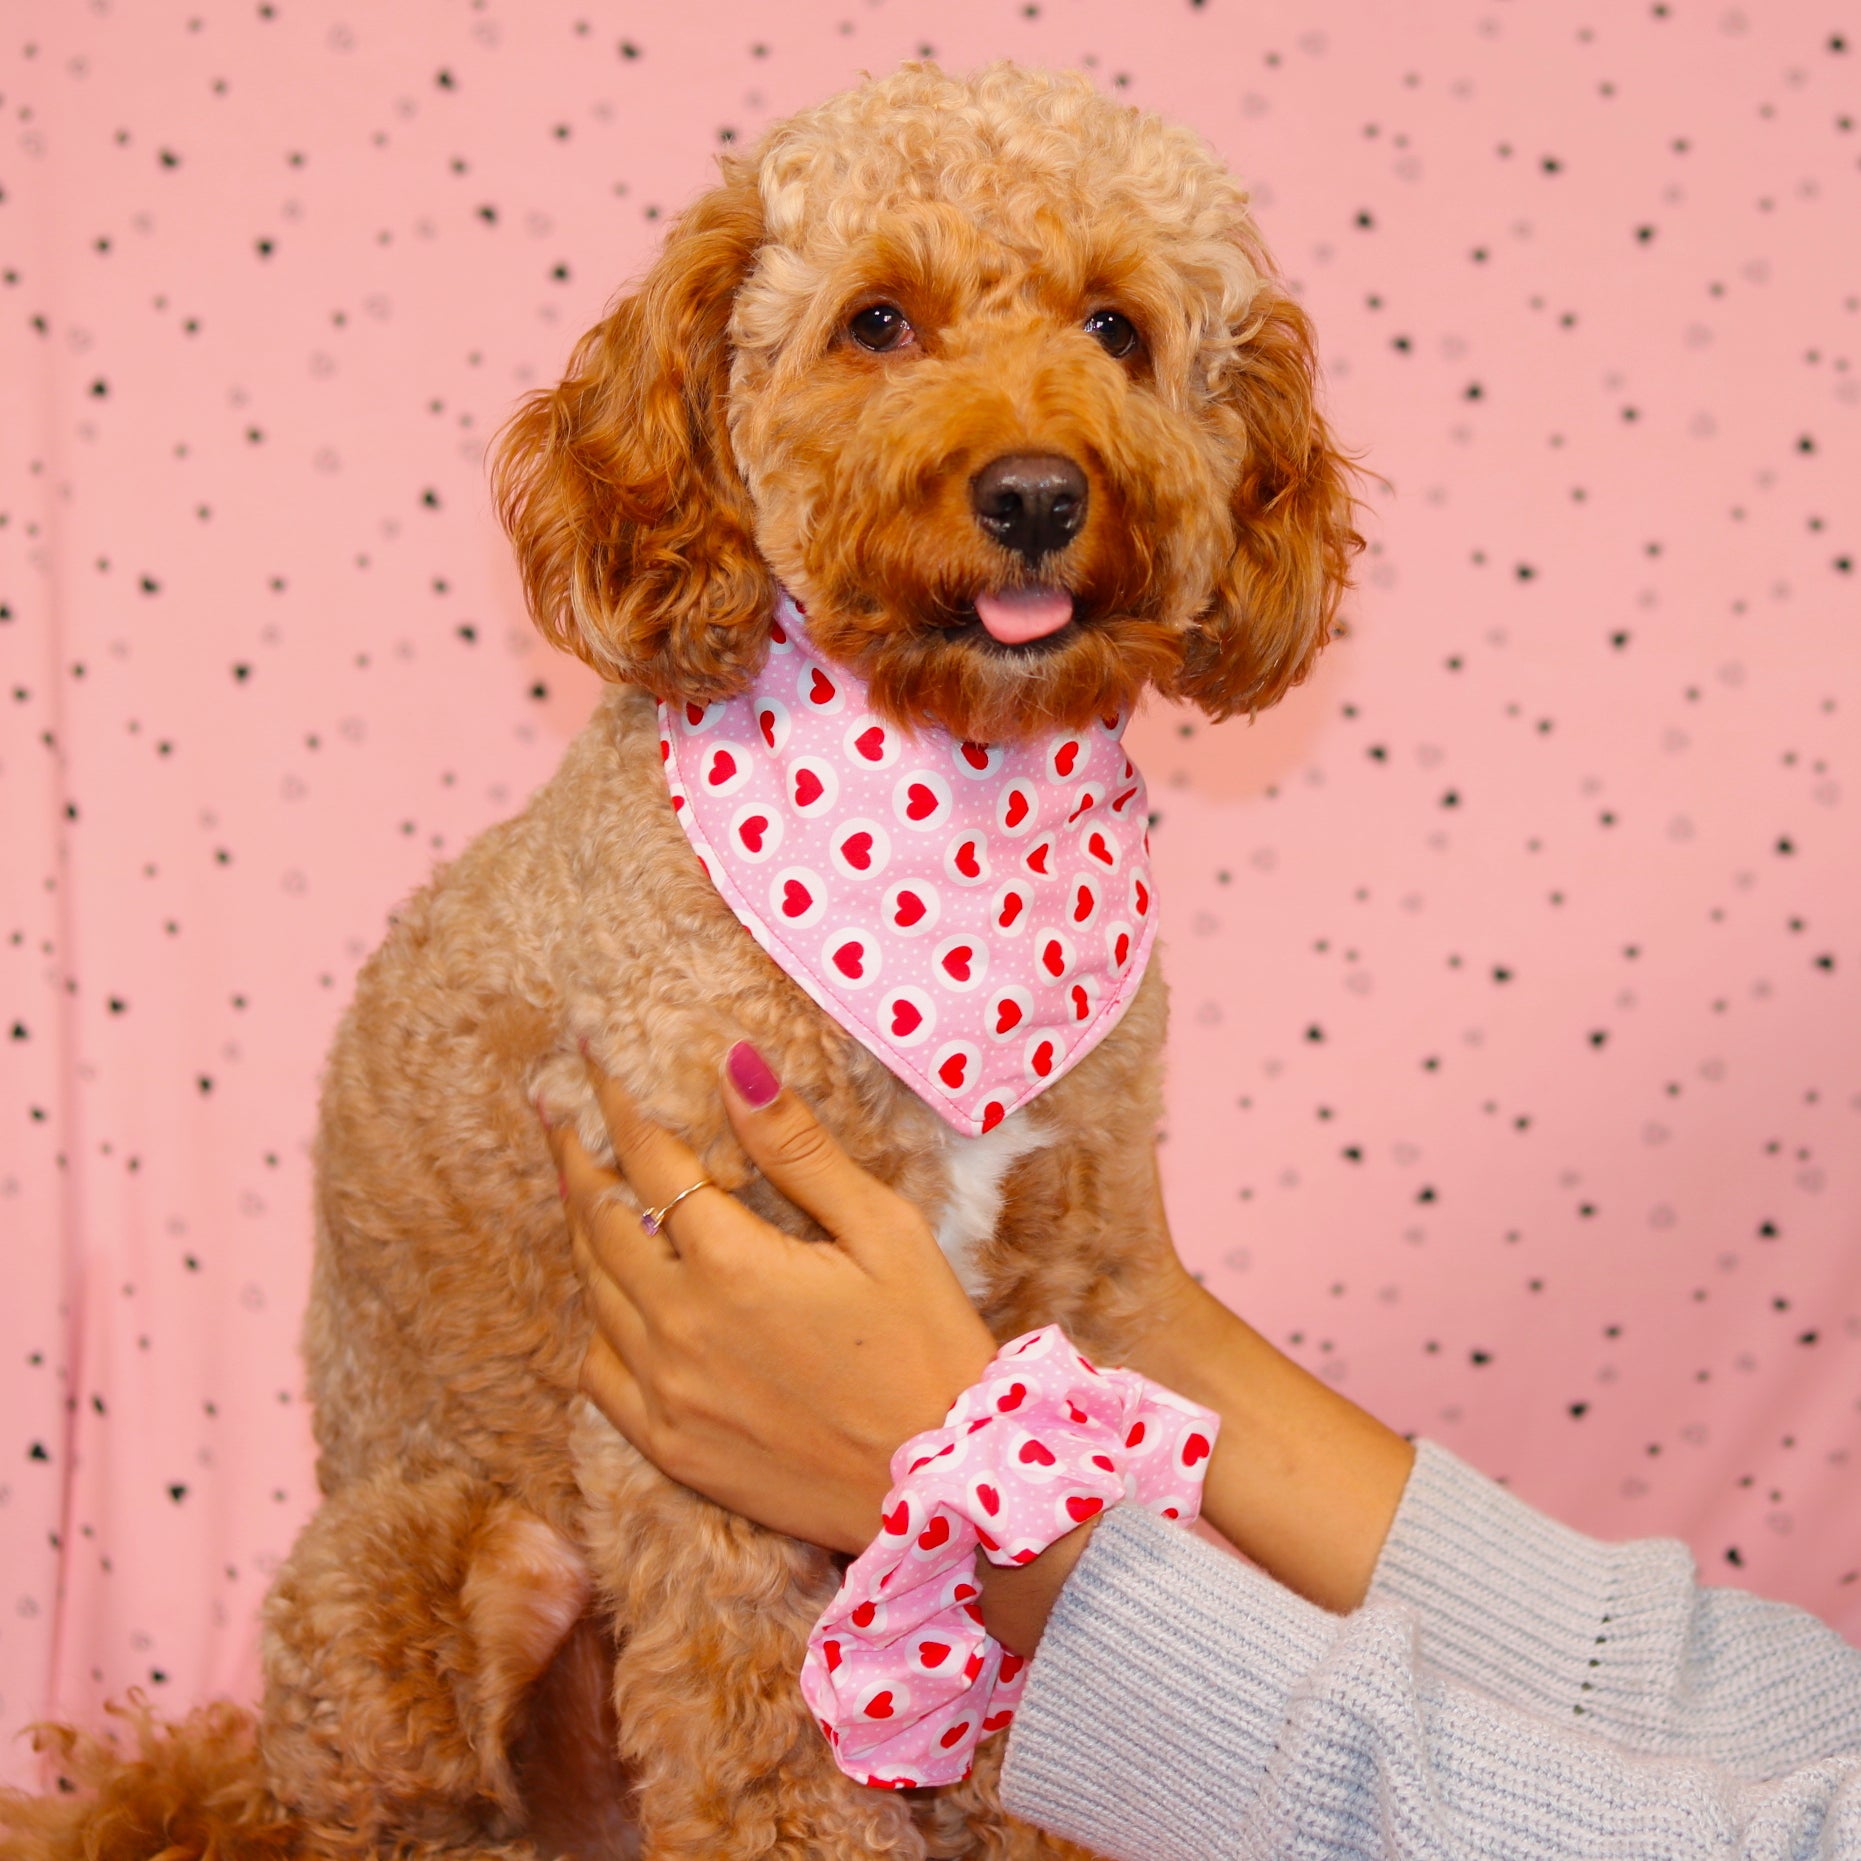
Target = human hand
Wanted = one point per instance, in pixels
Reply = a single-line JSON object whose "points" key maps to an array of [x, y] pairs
{"points": [[775, 1376]]}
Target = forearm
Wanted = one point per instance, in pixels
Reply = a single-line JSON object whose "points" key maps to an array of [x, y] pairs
{"points": [[1302, 1481]]}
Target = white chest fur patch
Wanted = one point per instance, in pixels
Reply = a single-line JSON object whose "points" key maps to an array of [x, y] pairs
{"points": [[978, 1166]]}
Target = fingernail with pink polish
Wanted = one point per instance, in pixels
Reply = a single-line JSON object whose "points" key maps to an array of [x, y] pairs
{"points": [[749, 1072]]}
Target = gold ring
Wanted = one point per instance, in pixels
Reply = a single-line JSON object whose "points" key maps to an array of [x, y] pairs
{"points": [[655, 1218]]}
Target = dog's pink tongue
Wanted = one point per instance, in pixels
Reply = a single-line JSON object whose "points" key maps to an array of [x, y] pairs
{"points": [[1017, 615]]}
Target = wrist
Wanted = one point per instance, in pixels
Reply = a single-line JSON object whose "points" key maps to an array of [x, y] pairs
{"points": [[1018, 1598]]}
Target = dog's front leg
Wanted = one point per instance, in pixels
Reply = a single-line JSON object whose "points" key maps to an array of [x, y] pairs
{"points": [[714, 1614]]}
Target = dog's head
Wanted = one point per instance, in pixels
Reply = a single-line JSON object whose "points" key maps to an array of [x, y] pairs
{"points": [[993, 374]]}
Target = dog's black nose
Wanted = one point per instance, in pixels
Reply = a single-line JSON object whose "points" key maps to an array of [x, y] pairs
{"points": [[1032, 503]]}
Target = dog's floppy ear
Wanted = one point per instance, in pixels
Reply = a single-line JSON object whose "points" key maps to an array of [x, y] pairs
{"points": [[618, 488], [1276, 599]]}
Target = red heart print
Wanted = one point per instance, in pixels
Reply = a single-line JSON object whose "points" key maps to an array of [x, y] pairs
{"points": [[908, 910], [665, 749], [996, 1720], [856, 850], [765, 722], [1074, 1412], [1082, 904], [935, 1533], [850, 960], [723, 767], [1007, 1014], [1017, 1394], [678, 802], [1081, 1506], [820, 688], [1104, 1460], [897, 1519], [1011, 1665], [1086, 800], [992, 1115], [1012, 907], [989, 1499], [907, 1018], [1135, 1436], [1043, 1058], [920, 801], [971, 1668], [694, 715], [1142, 898], [1037, 859], [954, 1736], [933, 1653], [1118, 806], [1035, 1454], [1052, 957], [1067, 755], [778, 632], [976, 755], [1121, 950], [809, 788], [964, 1591], [952, 1070], [1017, 808], [871, 743], [966, 862], [1082, 1002], [1194, 1449], [880, 1705], [752, 831], [830, 1652], [866, 1613], [1096, 846], [796, 899], [956, 962]]}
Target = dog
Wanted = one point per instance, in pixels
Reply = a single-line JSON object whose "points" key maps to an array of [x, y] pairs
{"points": [[992, 378]]}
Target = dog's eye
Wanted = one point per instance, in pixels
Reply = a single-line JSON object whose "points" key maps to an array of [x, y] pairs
{"points": [[1116, 334], [879, 327]]}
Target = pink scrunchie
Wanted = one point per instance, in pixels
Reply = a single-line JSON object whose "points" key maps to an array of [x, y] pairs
{"points": [[900, 1672]]}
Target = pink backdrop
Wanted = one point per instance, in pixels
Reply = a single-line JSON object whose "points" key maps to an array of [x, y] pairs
{"points": [[1515, 1077]]}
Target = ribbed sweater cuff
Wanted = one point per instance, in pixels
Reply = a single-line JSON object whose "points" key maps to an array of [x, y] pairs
{"points": [[1528, 1610], [1098, 1751]]}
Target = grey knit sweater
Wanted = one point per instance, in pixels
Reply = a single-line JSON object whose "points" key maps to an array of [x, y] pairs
{"points": [[1510, 1688]]}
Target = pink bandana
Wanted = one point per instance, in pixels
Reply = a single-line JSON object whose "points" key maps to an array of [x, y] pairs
{"points": [[978, 915]]}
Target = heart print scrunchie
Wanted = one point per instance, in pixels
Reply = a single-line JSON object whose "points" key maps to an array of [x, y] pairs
{"points": [[900, 1673]]}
